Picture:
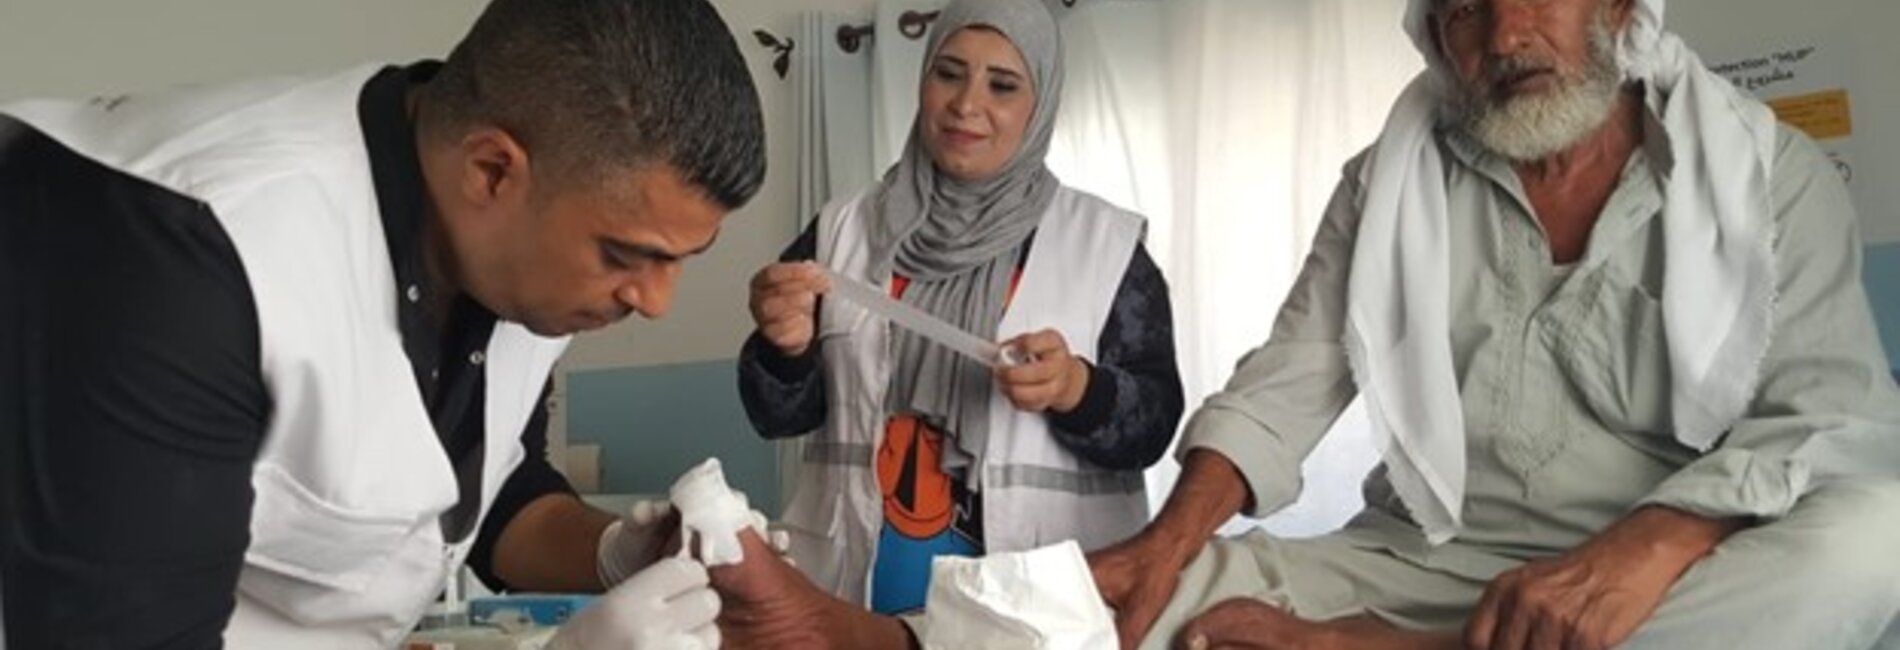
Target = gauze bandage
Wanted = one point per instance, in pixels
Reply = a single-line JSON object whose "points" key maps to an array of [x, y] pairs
{"points": [[1043, 599], [712, 514]]}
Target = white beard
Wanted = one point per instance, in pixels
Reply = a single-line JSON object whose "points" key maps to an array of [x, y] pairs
{"points": [[1534, 126]]}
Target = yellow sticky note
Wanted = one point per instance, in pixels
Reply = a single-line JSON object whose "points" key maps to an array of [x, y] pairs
{"points": [[1823, 115]]}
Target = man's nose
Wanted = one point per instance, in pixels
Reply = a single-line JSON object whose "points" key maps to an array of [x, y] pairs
{"points": [[651, 296], [1512, 22]]}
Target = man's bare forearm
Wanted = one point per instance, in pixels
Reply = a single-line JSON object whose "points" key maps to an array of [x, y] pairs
{"points": [[552, 545], [1673, 537], [1209, 491]]}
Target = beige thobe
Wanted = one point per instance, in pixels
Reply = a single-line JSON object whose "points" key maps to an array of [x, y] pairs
{"points": [[1565, 387]]}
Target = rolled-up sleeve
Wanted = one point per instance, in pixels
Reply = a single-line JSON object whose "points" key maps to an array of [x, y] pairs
{"points": [[1826, 406], [1285, 394]]}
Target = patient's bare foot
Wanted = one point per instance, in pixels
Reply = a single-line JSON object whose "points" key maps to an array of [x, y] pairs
{"points": [[768, 604], [1249, 623]]}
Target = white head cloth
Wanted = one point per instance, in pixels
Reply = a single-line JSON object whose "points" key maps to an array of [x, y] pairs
{"points": [[1718, 286]]}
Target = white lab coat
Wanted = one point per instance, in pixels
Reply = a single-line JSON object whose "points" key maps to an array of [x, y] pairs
{"points": [[346, 550]]}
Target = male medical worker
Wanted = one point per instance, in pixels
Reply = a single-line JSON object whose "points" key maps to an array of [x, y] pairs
{"points": [[272, 354]]}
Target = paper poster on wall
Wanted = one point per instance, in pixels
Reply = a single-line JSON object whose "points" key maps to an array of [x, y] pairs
{"points": [[1809, 87], [1815, 83]]}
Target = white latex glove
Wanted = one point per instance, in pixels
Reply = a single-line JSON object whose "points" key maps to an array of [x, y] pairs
{"points": [[669, 606], [632, 542], [639, 538]]}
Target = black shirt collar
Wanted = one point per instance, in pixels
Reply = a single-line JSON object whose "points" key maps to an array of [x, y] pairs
{"points": [[448, 362], [394, 166], [396, 171]]}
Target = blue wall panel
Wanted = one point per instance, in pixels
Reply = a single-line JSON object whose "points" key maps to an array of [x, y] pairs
{"points": [[1881, 273], [654, 422]]}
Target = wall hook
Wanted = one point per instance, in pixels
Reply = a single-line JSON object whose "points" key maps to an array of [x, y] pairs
{"points": [[851, 37], [914, 23]]}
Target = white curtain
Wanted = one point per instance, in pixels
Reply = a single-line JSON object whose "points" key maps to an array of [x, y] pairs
{"points": [[833, 95], [1226, 122]]}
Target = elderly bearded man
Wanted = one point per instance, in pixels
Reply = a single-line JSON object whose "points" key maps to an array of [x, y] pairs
{"points": [[1608, 321]]}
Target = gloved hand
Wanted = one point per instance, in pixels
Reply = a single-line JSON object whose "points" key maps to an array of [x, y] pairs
{"points": [[669, 606], [636, 540], [649, 531]]}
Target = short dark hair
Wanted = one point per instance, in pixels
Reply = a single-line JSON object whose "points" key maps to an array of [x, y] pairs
{"points": [[592, 86]]}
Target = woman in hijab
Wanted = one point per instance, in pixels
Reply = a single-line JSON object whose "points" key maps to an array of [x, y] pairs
{"points": [[914, 451]]}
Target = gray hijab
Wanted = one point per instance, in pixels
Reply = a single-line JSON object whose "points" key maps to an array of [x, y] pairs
{"points": [[958, 241]]}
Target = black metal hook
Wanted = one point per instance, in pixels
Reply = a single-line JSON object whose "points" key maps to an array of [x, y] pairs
{"points": [[913, 24], [851, 37]]}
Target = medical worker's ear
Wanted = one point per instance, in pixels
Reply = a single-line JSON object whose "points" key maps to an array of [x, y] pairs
{"points": [[495, 168]]}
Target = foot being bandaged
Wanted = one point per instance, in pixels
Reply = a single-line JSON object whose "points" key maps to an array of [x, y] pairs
{"points": [[712, 514]]}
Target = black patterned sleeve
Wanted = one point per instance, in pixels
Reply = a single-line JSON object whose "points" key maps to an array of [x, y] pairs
{"points": [[1132, 406], [783, 396]]}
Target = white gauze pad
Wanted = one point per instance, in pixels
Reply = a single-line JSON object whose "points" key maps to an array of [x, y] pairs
{"points": [[711, 513], [1043, 599]]}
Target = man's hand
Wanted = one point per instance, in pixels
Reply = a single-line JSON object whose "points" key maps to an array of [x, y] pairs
{"points": [[785, 303], [1136, 578], [668, 606], [1049, 379], [1598, 594]]}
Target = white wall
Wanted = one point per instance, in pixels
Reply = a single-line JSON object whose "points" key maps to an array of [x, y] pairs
{"points": [[76, 48]]}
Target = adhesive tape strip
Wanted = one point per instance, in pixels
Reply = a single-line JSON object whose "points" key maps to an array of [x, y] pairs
{"points": [[925, 325]]}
